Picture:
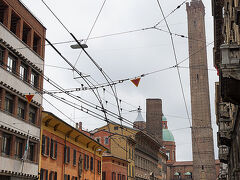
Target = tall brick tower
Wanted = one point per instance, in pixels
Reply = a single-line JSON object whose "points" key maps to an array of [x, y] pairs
{"points": [[154, 118], [202, 135]]}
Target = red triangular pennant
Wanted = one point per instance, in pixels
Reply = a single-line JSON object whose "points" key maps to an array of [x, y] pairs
{"points": [[29, 97], [136, 81]]}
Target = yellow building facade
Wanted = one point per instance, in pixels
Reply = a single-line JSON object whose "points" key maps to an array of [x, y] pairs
{"points": [[122, 144]]}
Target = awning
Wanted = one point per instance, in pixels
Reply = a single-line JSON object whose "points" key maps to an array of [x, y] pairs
{"points": [[188, 174]]}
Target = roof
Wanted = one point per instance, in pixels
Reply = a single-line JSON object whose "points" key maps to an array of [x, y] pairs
{"points": [[164, 118], [139, 117], [167, 135], [105, 155], [56, 122]]}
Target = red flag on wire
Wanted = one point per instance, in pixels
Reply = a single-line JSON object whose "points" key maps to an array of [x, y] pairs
{"points": [[136, 81]]}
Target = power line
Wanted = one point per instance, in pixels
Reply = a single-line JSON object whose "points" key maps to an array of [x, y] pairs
{"points": [[95, 21]]}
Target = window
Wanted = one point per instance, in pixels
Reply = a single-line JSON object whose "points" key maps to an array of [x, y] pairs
{"points": [[23, 72], [66, 177], [26, 33], [113, 176], [32, 114], [11, 64], [21, 109], [36, 43], [14, 22], [106, 140], [31, 151], [123, 177], [6, 144], [43, 144], [91, 163], [53, 149], [1, 55], [53, 175], [115, 127], [119, 177], [132, 171], [74, 157], [99, 167], [129, 153], [66, 154], [168, 155], [44, 174], [74, 178], [86, 162], [103, 175], [132, 153], [98, 139], [34, 79], [9, 103], [19, 148]]}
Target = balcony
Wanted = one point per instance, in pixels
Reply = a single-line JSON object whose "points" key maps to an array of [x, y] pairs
{"points": [[223, 154]]}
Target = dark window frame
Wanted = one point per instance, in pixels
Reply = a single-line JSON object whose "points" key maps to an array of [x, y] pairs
{"points": [[6, 144]]}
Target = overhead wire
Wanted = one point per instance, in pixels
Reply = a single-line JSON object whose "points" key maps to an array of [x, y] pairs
{"points": [[95, 21], [179, 75]]}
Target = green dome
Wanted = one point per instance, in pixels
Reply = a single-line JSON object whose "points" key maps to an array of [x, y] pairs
{"points": [[164, 118], [167, 135]]}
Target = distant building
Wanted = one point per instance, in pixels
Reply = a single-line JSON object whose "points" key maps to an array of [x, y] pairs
{"points": [[67, 153], [114, 167], [168, 142], [120, 142], [177, 169], [22, 44]]}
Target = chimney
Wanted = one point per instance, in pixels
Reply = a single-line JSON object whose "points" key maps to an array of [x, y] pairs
{"points": [[80, 126], [154, 118], [76, 126]]}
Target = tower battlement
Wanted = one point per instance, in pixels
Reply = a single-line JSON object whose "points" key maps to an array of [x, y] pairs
{"points": [[194, 5]]}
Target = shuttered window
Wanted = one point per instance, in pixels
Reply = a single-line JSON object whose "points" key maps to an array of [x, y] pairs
{"points": [[74, 156]]}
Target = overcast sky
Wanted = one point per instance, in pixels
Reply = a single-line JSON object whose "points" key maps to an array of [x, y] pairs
{"points": [[124, 56]]}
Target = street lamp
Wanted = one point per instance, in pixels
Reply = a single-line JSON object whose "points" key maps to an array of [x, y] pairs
{"points": [[76, 46]]}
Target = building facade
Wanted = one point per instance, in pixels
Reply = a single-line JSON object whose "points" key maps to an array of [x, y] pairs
{"points": [[121, 143], [22, 39], [146, 157], [226, 60], [114, 168], [202, 134], [67, 153]]}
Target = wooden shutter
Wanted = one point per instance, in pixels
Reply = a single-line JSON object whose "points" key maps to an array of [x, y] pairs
{"points": [[68, 158], [47, 152], [43, 144], [55, 155], [51, 148]]}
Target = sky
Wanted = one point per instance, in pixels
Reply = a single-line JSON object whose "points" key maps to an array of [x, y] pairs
{"points": [[124, 56]]}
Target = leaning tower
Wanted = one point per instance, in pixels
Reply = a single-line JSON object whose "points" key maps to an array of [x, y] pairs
{"points": [[202, 134]]}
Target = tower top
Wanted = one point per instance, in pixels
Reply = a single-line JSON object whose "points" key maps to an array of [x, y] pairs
{"points": [[195, 4]]}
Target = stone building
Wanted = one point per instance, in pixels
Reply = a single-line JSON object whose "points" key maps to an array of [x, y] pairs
{"points": [[22, 39], [202, 134], [67, 153], [226, 60]]}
